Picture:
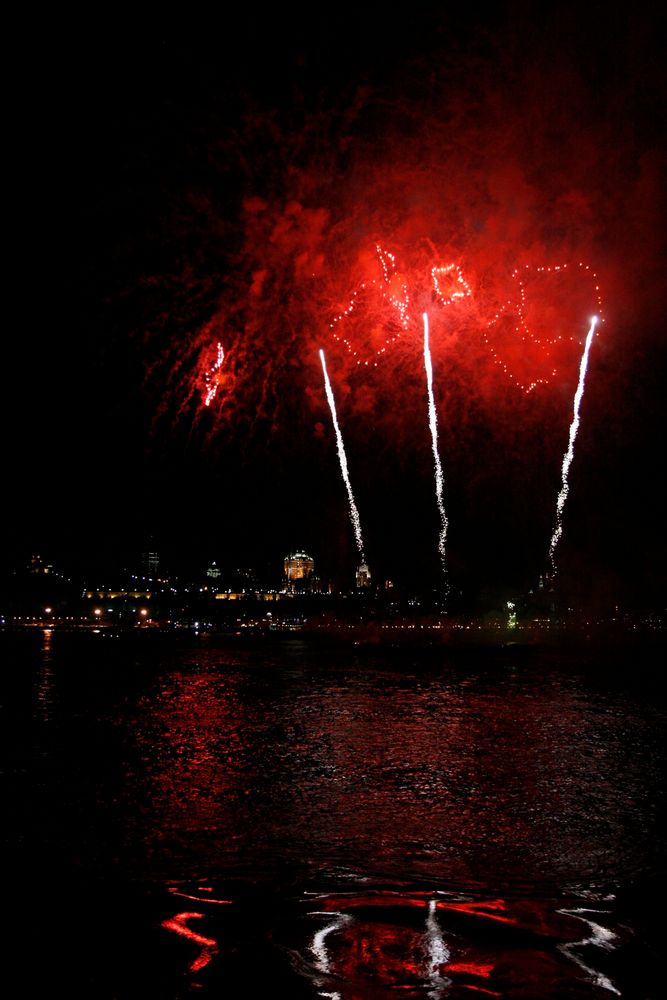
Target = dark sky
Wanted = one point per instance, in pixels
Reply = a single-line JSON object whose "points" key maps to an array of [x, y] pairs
{"points": [[186, 183]]}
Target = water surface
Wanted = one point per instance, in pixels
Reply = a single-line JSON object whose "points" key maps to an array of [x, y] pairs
{"points": [[193, 816]]}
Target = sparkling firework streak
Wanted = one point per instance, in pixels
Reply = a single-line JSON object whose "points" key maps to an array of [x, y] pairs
{"points": [[433, 424], [354, 514], [212, 377], [569, 454]]}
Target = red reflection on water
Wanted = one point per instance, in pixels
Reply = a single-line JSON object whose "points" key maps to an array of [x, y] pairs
{"points": [[209, 946], [335, 903], [478, 970], [484, 909], [198, 899], [377, 953], [192, 745], [370, 943], [401, 955], [481, 969]]}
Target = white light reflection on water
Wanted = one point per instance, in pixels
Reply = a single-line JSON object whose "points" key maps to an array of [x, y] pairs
{"points": [[318, 947], [438, 953], [601, 937], [435, 951]]}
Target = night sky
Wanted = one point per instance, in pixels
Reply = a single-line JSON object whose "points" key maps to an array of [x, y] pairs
{"points": [[192, 183]]}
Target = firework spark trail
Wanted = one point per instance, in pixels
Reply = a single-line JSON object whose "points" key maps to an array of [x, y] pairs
{"points": [[398, 298], [354, 514], [433, 424], [212, 378], [569, 454]]}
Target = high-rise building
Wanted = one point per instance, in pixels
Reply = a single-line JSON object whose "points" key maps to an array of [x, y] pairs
{"points": [[150, 562], [298, 569], [363, 576]]}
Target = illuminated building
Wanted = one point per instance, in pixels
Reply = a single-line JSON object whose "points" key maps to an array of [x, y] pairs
{"points": [[298, 569], [363, 576], [150, 560], [37, 565]]}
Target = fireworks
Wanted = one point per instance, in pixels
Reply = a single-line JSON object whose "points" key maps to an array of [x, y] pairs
{"points": [[528, 337], [212, 377], [449, 285], [533, 339], [382, 304], [458, 286], [433, 426], [354, 514], [393, 292], [569, 454]]}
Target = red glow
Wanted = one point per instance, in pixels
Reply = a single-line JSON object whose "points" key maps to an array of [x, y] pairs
{"points": [[364, 216], [536, 334], [449, 284], [377, 314], [377, 311]]}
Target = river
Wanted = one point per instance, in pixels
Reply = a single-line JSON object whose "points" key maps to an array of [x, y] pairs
{"points": [[195, 815]]}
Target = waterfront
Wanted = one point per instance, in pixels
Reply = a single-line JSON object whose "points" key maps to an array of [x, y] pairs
{"points": [[196, 816]]}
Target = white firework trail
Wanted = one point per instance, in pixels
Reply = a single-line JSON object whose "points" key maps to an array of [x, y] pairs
{"points": [[433, 424], [569, 454], [354, 513]]}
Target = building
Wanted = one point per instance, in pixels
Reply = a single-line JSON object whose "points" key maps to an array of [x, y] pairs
{"points": [[37, 565], [213, 572], [150, 562], [298, 569], [363, 576]]}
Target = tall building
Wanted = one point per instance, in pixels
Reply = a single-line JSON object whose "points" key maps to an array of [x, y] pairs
{"points": [[298, 569], [150, 562], [363, 576]]}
